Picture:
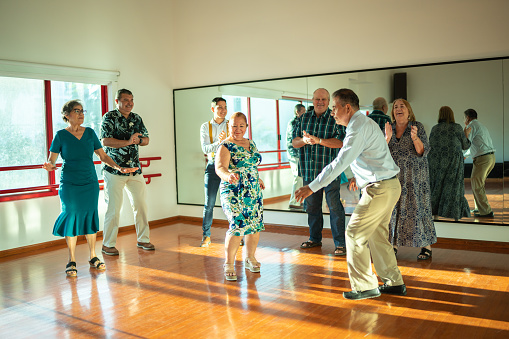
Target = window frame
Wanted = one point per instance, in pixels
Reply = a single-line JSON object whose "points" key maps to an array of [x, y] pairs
{"points": [[52, 188]]}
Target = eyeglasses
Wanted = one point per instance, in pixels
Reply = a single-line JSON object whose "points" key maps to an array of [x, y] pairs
{"points": [[80, 111]]}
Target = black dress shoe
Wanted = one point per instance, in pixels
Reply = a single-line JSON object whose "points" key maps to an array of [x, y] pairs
{"points": [[489, 215], [397, 290], [354, 295]]}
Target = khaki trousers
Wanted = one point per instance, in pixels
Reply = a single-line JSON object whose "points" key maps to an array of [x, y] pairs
{"points": [[114, 196], [367, 236], [297, 181], [480, 171]]}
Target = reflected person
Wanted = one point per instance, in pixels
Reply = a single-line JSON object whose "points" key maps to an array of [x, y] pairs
{"points": [[483, 155], [446, 167], [212, 133], [241, 188], [379, 114], [375, 172], [319, 139], [79, 188], [411, 222], [293, 156]]}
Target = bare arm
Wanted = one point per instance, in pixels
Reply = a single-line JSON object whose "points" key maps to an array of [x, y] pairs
{"points": [[105, 158], [134, 139], [388, 132], [51, 164], [312, 140], [419, 146], [222, 163]]}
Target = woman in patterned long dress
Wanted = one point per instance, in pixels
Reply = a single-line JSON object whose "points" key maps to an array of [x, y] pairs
{"points": [[446, 167], [79, 189], [241, 188], [412, 221]]}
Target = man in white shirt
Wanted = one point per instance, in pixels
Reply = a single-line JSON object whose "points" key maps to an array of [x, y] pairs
{"points": [[483, 155], [364, 147], [212, 133]]}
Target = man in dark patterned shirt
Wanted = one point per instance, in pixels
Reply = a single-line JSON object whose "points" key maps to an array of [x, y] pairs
{"points": [[379, 114], [319, 139], [122, 132], [293, 155]]}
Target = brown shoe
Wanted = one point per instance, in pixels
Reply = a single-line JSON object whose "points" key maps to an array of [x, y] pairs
{"points": [[205, 242], [109, 250], [146, 246]]}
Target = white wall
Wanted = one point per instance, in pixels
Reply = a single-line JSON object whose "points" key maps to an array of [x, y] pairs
{"points": [[133, 37], [159, 45]]}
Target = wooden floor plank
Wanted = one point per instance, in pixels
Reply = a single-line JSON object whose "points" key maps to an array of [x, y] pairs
{"points": [[179, 290]]}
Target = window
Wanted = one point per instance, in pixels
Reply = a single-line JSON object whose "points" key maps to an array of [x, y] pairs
{"points": [[268, 122], [29, 123]]}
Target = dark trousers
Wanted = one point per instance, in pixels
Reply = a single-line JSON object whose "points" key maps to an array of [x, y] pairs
{"points": [[337, 213], [212, 182]]}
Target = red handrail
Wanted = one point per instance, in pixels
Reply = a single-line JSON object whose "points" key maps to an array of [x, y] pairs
{"points": [[48, 190]]}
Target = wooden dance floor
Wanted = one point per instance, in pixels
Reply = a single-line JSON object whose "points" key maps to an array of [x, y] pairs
{"points": [[178, 290]]}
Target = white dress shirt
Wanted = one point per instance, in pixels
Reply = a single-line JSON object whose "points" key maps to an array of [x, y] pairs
{"points": [[480, 139], [206, 146], [365, 148]]}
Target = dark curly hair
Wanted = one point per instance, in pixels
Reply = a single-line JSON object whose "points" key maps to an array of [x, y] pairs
{"points": [[68, 107]]}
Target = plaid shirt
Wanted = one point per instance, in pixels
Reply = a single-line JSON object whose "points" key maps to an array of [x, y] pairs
{"points": [[380, 118], [313, 158], [114, 125]]}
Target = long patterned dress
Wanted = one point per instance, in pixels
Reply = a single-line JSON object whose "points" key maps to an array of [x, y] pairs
{"points": [[412, 221], [243, 202], [446, 169]]}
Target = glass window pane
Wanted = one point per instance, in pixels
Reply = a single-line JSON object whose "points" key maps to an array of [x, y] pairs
{"points": [[90, 97], [23, 131], [286, 113], [22, 114], [264, 127]]}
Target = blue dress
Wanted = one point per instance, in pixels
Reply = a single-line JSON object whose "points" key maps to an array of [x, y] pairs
{"points": [[243, 202], [79, 189]]}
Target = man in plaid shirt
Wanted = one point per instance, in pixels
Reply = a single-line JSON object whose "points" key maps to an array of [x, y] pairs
{"points": [[319, 139], [379, 114]]}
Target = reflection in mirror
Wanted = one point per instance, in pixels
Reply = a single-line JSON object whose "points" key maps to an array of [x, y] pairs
{"points": [[270, 105]]}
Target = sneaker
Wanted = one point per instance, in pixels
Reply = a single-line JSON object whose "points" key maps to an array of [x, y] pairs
{"points": [[109, 250], [146, 246], [354, 295], [396, 290], [205, 241]]}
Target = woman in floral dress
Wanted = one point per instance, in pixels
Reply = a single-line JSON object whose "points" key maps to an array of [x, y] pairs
{"points": [[411, 222], [241, 188]]}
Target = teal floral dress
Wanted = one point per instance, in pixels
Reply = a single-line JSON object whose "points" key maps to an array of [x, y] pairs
{"points": [[243, 202]]}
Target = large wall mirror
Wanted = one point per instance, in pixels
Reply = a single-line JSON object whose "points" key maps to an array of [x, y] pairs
{"points": [[480, 84]]}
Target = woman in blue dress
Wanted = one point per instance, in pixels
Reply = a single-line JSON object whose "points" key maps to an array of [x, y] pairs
{"points": [[241, 194], [79, 189]]}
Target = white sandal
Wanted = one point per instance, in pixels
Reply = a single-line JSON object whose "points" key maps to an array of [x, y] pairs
{"points": [[252, 265], [229, 272]]}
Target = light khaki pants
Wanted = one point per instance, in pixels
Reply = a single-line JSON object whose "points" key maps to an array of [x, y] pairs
{"points": [[367, 236], [114, 196], [297, 181], [480, 171]]}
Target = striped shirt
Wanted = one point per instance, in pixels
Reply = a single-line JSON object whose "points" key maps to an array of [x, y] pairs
{"points": [[313, 158]]}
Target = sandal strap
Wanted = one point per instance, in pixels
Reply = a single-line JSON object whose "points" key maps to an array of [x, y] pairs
{"points": [[96, 262], [425, 251], [70, 264]]}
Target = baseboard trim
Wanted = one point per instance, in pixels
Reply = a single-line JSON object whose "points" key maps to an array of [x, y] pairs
{"points": [[60, 243], [446, 243]]}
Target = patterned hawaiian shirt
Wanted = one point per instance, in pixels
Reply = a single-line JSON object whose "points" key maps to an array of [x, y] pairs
{"points": [[115, 125], [313, 158], [294, 152]]}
